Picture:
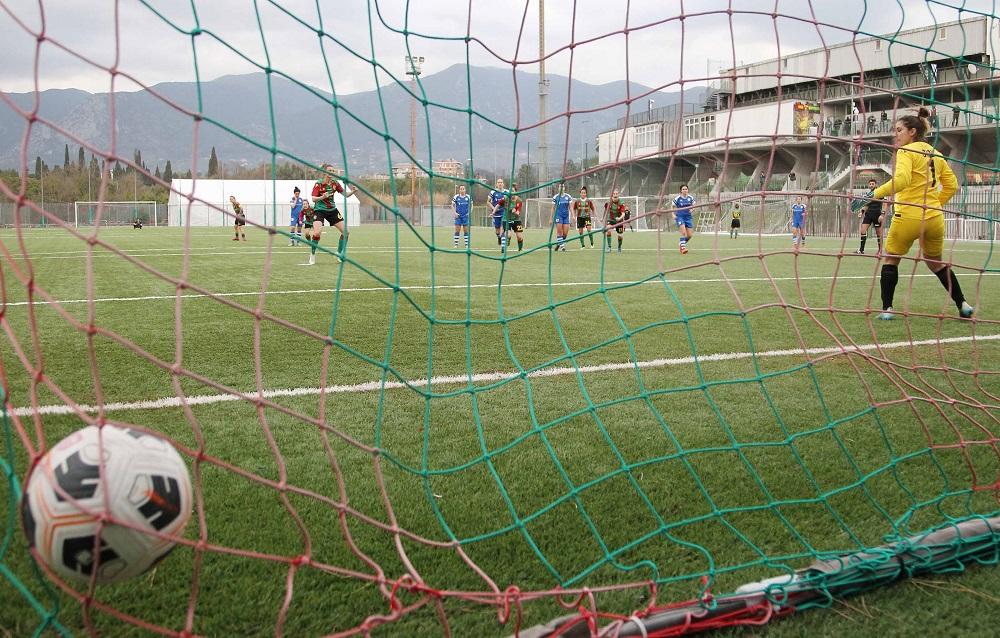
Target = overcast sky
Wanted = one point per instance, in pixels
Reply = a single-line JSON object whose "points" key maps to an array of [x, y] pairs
{"points": [[153, 40]]}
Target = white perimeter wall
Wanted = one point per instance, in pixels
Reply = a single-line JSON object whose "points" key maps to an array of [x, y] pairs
{"points": [[266, 202]]}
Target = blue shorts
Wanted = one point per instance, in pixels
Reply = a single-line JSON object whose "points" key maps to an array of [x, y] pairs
{"points": [[294, 221], [684, 219], [462, 220], [797, 222], [497, 221], [562, 219]]}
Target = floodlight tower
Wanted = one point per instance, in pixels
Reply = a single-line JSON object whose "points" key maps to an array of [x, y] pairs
{"points": [[543, 92], [413, 66]]}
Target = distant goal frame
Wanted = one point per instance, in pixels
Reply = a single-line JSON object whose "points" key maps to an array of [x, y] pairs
{"points": [[105, 204]]}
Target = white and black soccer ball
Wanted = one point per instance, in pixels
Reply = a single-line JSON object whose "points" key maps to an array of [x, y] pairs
{"points": [[145, 487]]}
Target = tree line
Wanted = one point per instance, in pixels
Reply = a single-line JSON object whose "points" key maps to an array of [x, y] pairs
{"points": [[80, 180]]}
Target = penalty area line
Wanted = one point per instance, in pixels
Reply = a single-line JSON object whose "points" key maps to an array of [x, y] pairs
{"points": [[486, 377]]}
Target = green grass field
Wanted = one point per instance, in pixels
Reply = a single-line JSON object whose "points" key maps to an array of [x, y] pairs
{"points": [[589, 422]]}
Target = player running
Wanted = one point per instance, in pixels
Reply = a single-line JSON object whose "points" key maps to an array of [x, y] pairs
{"points": [[615, 214], [871, 215], [798, 222], [498, 201], [583, 209], [734, 226], [326, 210], [682, 217], [560, 214], [240, 222], [294, 225], [462, 205]]}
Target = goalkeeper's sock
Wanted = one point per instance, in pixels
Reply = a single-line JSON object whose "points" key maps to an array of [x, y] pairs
{"points": [[890, 276], [950, 282]]}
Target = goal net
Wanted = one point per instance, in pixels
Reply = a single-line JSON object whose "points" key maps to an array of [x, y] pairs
{"points": [[396, 429], [116, 213]]}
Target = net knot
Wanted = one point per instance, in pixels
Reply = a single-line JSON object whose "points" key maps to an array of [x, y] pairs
{"points": [[707, 598], [407, 583], [511, 598]]}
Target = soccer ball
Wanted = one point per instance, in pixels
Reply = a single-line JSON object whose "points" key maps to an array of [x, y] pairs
{"points": [[145, 487]]}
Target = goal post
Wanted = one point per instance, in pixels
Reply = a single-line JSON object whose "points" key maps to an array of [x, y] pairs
{"points": [[124, 213]]}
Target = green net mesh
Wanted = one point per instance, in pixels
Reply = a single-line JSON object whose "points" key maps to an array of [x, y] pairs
{"points": [[423, 436]]}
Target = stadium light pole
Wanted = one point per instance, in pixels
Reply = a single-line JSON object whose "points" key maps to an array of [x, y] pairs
{"points": [[413, 66], [543, 92]]}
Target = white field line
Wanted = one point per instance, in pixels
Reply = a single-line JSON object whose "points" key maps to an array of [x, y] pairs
{"points": [[560, 284], [490, 377], [106, 255], [203, 251]]}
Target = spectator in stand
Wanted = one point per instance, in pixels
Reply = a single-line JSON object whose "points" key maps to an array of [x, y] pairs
{"points": [[885, 122], [871, 124], [955, 113]]}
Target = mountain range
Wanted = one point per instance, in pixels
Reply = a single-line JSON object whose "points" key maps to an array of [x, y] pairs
{"points": [[236, 115]]}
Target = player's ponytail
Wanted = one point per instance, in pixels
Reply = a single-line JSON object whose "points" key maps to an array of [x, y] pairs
{"points": [[918, 122]]}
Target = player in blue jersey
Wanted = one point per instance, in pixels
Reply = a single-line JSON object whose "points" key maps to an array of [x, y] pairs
{"points": [[498, 201], [798, 223], [462, 205], [560, 214], [682, 216], [294, 225]]}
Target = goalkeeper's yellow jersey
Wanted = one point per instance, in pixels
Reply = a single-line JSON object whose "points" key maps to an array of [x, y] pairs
{"points": [[922, 182]]}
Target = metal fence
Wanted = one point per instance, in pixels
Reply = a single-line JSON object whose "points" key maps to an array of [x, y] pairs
{"points": [[974, 213]]}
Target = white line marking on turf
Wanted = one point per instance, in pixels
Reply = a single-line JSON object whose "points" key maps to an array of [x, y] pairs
{"points": [[129, 253], [490, 377], [463, 286]]}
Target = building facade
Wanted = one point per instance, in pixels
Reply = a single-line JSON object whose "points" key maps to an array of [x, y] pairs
{"points": [[819, 119]]}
